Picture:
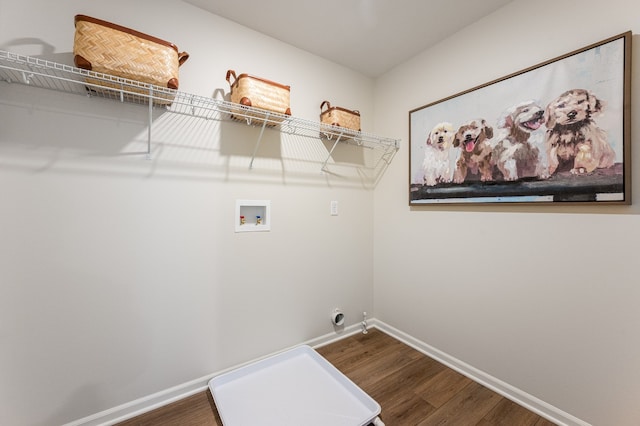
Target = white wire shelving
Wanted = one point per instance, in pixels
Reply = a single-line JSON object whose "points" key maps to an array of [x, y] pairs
{"points": [[37, 72]]}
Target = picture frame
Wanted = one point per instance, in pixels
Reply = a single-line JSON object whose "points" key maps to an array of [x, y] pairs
{"points": [[557, 132]]}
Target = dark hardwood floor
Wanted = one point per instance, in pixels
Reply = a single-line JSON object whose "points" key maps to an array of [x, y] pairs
{"points": [[411, 388]]}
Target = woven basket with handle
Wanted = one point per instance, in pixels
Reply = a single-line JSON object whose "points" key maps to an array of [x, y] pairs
{"points": [[337, 116], [257, 92], [108, 48]]}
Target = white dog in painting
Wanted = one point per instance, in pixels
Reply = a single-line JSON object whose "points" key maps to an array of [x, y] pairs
{"points": [[439, 155]]}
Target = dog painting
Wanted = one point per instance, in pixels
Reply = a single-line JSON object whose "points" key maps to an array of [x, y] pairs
{"points": [[519, 150], [439, 155], [557, 132], [475, 151], [573, 137]]}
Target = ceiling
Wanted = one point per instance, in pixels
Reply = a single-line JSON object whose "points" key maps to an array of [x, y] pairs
{"points": [[369, 36]]}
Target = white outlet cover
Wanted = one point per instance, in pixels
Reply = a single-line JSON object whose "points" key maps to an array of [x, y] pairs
{"points": [[334, 208]]}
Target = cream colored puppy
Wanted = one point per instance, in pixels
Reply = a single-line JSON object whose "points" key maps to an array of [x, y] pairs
{"points": [[439, 155]]}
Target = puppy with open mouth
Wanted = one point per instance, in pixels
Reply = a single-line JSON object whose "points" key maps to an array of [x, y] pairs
{"points": [[473, 138], [519, 153]]}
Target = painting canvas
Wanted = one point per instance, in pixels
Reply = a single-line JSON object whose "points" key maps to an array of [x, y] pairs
{"points": [[558, 132]]}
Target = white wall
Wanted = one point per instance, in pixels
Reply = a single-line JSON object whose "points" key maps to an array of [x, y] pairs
{"points": [[121, 277], [544, 298]]}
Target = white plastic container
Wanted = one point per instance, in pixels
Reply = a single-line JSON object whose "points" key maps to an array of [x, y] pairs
{"points": [[293, 388]]}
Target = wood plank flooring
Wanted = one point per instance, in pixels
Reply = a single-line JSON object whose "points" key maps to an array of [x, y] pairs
{"points": [[411, 388]]}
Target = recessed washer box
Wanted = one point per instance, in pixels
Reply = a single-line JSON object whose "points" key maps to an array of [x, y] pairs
{"points": [[253, 215]]}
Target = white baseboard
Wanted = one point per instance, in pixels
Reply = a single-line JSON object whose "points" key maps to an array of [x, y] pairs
{"points": [[176, 393], [516, 395], [151, 402]]}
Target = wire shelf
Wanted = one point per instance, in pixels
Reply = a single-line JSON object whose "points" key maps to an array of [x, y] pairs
{"points": [[37, 72]]}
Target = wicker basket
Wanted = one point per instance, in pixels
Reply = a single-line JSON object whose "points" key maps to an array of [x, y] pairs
{"points": [[108, 48], [342, 117], [257, 92]]}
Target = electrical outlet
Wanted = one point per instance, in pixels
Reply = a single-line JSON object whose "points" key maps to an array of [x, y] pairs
{"points": [[334, 208]]}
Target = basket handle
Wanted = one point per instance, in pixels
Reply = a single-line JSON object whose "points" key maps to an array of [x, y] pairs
{"points": [[323, 104], [229, 74], [182, 58]]}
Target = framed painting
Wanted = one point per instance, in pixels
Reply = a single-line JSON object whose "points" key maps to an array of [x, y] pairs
{"points": [[557, 132]]}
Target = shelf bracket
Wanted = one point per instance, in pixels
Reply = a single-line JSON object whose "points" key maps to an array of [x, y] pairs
{"points": [[255, 150], [387, 156], [192, 106], [324, 165], [27, 77], [150, 122]]}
